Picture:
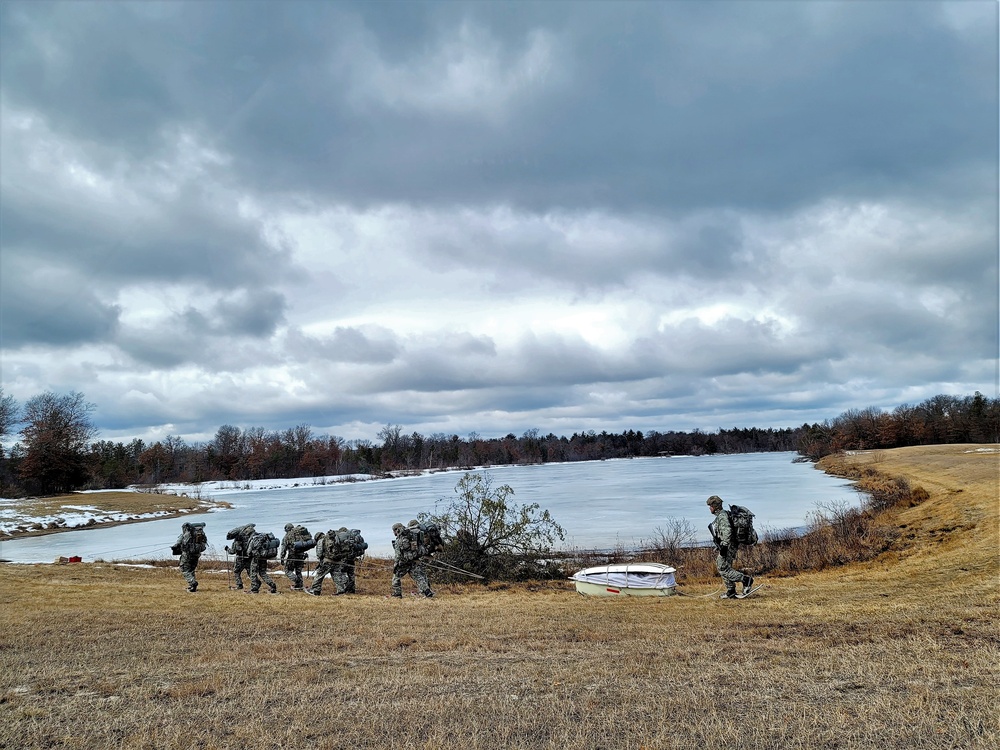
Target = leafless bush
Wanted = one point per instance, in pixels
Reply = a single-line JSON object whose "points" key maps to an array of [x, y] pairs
{"points": [[766, 555], [669, 540]]}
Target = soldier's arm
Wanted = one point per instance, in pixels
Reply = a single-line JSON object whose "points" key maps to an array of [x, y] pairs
{"points": [[725, 529]]}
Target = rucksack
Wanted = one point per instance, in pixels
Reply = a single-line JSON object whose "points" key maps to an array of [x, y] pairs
{"points": [[199, 542], [352, 541], [193, 541], [741, 520], [428, 537], [243, 533], [299, 540], [263, 545], [344, 545]]}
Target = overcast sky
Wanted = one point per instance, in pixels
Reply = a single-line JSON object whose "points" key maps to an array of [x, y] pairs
{"points": [[494, 217]]}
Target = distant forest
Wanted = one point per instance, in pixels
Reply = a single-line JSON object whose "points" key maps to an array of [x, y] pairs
{"points": [[57, 452]]}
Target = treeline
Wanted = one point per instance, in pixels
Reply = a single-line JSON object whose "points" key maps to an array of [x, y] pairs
{"points": [[57, 452], [938, 420]]}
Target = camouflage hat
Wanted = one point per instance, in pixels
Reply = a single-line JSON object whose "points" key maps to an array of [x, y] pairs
{"points": [[714, 501], [342, 528], [397, 527], [288, 527], [318, 535], [414, 522]]}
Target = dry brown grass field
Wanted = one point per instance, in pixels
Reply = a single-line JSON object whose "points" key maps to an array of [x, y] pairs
{"points": [[899, 652]]}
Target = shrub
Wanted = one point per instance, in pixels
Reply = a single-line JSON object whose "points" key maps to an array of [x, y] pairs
{"points": [[490, 536]]}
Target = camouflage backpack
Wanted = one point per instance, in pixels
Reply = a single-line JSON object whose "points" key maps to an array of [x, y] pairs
{"points": [[428, 537], [193, 540], [242, 533], [344, 544], [302, 540], [351, 543], [263, 545], [742, 522]]}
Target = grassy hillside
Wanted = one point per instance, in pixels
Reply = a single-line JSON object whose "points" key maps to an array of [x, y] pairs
{"points": [[899, 652]]}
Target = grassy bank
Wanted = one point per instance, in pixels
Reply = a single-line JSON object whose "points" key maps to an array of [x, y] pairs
{"points": [[898, 652], [111, 508]]}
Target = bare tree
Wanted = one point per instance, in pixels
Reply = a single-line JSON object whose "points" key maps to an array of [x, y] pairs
{"points": [[8, 415], [56, 432]]}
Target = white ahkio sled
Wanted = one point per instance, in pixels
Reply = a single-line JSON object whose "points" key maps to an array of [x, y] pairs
{"points": [[632, 579]]}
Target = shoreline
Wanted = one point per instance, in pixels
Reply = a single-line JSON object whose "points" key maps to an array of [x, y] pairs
{"points": [[167, 515], [101, 518], [230, 487]]}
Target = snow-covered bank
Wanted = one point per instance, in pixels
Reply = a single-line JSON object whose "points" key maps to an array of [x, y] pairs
{"points": [[228, 487], [14, 522]]}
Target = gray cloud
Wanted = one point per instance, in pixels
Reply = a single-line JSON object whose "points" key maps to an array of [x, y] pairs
{"points": [[256, 314], [490, 217], [663, 106], [345, 344], [50, 307]]}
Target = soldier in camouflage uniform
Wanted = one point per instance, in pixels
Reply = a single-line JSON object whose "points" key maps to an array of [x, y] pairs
{"points": [[727, 546], [240, 536], [407, 553], [190, 544], [292, 559], [258, 568], [324, 564], [344, 567], [241, 561]]}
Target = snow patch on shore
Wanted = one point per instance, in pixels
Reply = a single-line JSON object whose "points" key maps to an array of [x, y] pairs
{"points": [[13, 521], [229, 487]]}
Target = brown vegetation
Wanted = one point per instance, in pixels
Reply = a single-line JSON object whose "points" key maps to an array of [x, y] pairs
{"points": [[901, 651]]}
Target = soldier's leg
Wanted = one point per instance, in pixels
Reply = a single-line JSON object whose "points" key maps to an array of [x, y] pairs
{"points": [[265, 576], [420, 576], [297, 575], [339, 576], [187, 570], [351, 582], [255, 575], [729, 575], [241, 566], [322, 568], [397, 580]]}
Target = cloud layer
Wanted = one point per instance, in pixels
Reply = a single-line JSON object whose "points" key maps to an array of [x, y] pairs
{"points": [[491, 217]]}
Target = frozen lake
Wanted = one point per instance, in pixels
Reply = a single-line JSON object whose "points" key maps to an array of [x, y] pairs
{"points": [[600, 504]]}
